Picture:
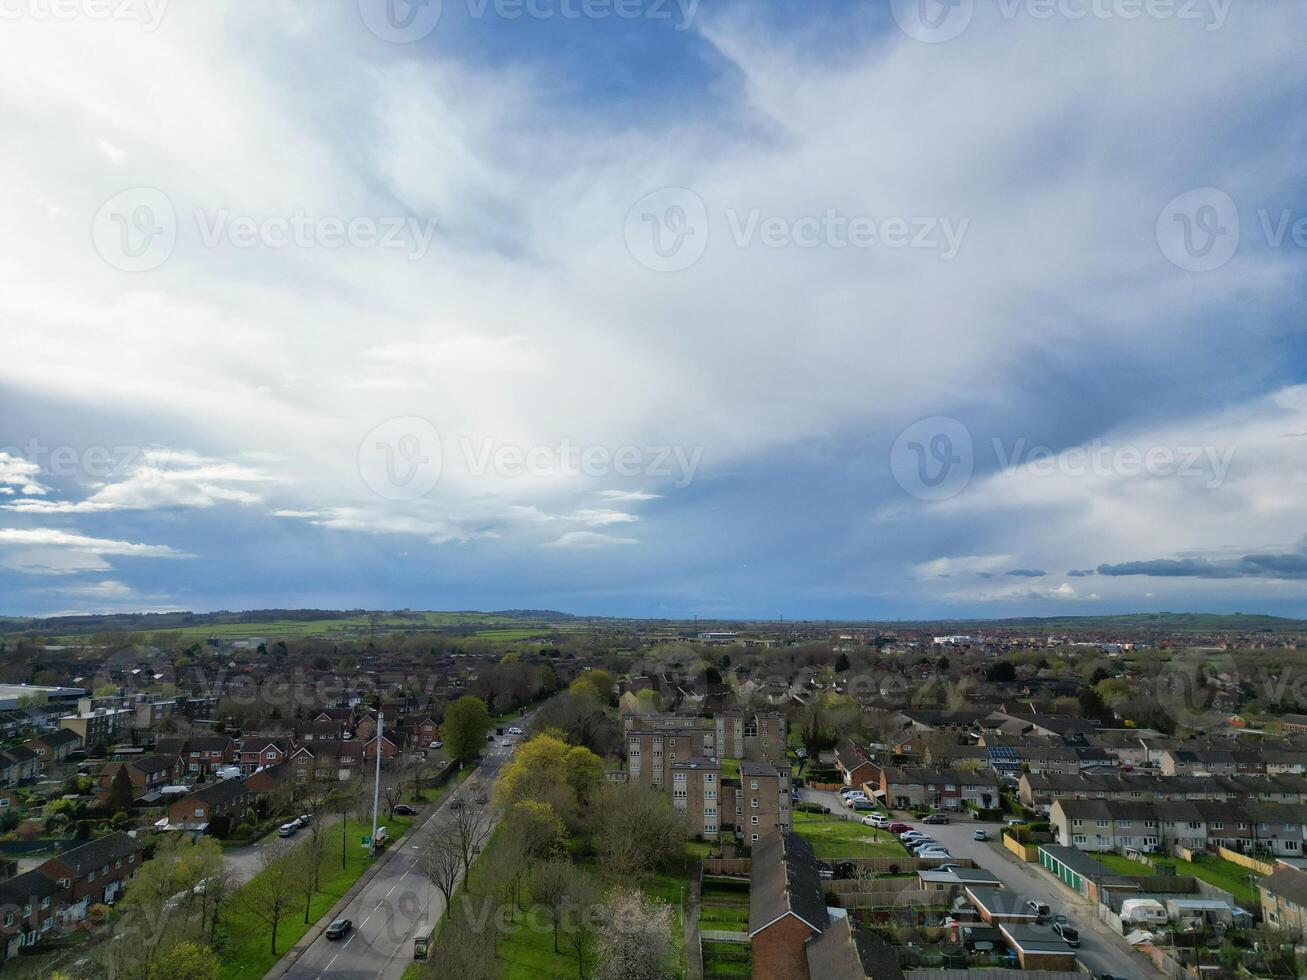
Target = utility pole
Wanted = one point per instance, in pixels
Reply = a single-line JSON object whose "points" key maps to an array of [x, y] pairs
{"points": [[376, 782]]}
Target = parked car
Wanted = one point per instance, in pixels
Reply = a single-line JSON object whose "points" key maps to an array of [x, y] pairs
{"points": [[979, 835], [936, 818], [339, 929], [404, 810], [1068, 933], [899, 828], [934, 852], [877, 820], [1061, 920], [515, 731], [437, 745], [287, 829], [910, 835], [863, 806], [1039, 908], [305, 819]]}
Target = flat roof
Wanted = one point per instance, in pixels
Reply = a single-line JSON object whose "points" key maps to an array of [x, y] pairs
{"points": [[978, 876], [1003, 901], [1035, 939]]}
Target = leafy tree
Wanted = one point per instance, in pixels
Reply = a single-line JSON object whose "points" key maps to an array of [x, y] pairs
{"points": [[186, 961], [465, 726], [597, 684], [842, 663], [555, 888], [1002, 672], [270, 895]]}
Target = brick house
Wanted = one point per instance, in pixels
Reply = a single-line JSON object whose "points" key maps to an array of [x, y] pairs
{"points": [[267, 780], [388, 748], [148, 774], [852, 760], [325, 760], [262, 750], [944, 789], [427, 731], [228, 798], [30, 906], [786, 906], [18, 764], [202, 754], [95, 873], [53, 746]]}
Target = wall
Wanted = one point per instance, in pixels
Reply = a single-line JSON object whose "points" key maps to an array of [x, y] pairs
{"points": [[779, 952]]}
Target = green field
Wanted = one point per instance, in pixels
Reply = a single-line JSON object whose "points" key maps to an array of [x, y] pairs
{"points": [[832, 837], [1213, 870]]}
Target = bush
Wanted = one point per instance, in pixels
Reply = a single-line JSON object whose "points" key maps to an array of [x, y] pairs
{"points": [[811, 808], [219, 826]]}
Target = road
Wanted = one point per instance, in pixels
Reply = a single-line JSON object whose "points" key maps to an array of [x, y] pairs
{"points": [[1101, 949], [398, 904]]}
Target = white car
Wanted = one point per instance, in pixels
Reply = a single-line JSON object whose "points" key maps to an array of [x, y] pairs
{"points": [[515, 731], [877, 820]]}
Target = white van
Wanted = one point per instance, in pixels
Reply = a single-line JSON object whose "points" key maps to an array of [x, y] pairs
{"points": [[1149, 910]]}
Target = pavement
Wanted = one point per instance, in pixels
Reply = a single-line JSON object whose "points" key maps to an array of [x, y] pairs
{"points": [[1102, 949], [396, 905]]}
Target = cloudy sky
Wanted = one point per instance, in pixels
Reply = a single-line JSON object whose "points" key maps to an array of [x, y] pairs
{"points": [[653, 308]]}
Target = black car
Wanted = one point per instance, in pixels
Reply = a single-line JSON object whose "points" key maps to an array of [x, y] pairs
{"points": [[1068, 933], [935, 818], [404, 810], [339, 928]]}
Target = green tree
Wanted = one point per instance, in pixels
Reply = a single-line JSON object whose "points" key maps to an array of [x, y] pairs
{"points": [[121, 793], [465, 726]]}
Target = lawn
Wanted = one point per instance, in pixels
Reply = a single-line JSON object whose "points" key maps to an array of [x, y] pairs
{"points": [[726, 959], [730, 768], [1213, 870], [245, 940], [832, 837]]}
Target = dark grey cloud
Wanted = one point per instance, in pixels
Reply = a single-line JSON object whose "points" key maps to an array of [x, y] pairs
{"points": [[1028, 572], [1267, 565], [1080, 572]]}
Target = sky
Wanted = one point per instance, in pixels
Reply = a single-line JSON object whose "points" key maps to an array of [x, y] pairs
{"points": [[653, 307]]}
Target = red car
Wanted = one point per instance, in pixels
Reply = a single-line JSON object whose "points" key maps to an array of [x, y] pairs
{"points": [[899, 828]]}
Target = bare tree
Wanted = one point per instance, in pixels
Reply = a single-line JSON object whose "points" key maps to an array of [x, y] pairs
{"points": [[470, 827], [638, 830], [270, 894], [553, 886], [634, 940], [442, 862]]}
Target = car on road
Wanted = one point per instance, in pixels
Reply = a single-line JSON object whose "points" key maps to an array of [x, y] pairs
{"points": [[505, 745], [515, 731], [935, 818], [899, 828], [305, 819], [1061, 919], [979, 835], [339, 929], [288, 829], [877, 820], [1068, 933], [1040, 909], [404, 810]]}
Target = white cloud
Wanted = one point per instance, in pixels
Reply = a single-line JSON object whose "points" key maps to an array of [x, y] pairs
{"points": [[588, 540], [962, 565], [629, 496]]}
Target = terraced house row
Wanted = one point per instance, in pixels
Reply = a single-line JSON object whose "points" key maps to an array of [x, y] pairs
{"points": [[1250, 828]]}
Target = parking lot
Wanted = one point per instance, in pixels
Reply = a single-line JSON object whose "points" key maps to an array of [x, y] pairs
{"points": [[1101, 949]]}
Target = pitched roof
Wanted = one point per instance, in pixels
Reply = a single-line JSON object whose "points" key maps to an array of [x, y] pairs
{"points": [[783, 880], [27, 887], [223, 792], [833, 955], [91, 856], [1287, 883]]}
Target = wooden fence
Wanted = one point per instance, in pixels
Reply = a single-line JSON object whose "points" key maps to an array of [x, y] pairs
{"points": [[727, 866], [722, 936], [995, 974], [1244, 861]]}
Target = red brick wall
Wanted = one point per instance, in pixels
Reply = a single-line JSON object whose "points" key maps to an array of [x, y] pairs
{"points": [[779, 952]]}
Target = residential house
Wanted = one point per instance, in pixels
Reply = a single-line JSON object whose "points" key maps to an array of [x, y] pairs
{"points": [[96, 872], [53, 746], [30, 906], [228, 798], [1283, 896], [786, 907]]}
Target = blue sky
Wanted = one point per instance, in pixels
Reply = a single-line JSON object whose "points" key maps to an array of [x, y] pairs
{"points": [[664, 309]]}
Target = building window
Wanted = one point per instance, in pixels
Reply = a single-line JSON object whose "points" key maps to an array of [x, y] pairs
{"points": [[754, 820]]}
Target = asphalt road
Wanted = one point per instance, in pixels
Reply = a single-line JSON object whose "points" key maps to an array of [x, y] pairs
{"points": [[398, 904], [1101, 949]]}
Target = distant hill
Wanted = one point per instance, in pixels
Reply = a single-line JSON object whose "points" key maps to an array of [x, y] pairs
{"points": [[1160, 622]]}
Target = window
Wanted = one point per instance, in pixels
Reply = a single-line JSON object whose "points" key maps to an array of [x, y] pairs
{"points": [[9, 919], [754, 820], [199, 811], [753, 838]]}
